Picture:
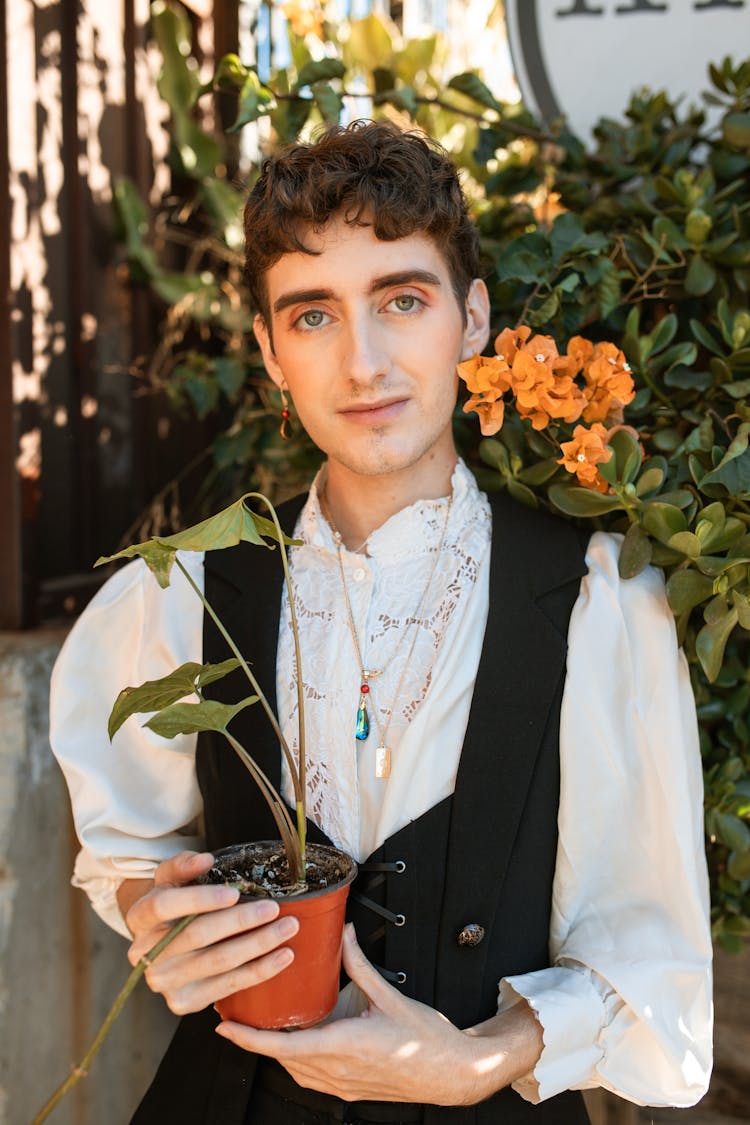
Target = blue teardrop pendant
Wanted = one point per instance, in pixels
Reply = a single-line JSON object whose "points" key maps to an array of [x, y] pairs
{"points": [[362, 728]]}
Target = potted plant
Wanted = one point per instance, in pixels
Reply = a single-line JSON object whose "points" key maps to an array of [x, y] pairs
{"points": [[310, 881]]}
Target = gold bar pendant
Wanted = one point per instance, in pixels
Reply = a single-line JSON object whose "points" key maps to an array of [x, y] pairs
{"points": [[382, 762]]}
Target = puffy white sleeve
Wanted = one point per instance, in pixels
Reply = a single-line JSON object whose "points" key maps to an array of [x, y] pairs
{"points": [[626, 1004], [135, 800]]}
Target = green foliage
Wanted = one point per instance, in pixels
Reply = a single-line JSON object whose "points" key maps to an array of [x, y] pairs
{"points": [[642, 238]]}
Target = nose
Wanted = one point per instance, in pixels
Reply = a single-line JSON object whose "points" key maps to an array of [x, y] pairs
{"points": [[365, 356]]}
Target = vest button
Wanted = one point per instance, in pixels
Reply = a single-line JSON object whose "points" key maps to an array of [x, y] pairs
{"points": [[472, 934]]}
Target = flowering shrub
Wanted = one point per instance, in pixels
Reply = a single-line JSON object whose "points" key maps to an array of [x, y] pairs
{"points": [[642, 238]]}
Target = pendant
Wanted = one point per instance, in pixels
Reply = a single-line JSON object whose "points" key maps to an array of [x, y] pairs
{"points": [[382, 762], [362, 729]]}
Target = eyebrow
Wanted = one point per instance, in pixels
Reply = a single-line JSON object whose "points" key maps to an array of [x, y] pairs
{"points": [[387, 281]]}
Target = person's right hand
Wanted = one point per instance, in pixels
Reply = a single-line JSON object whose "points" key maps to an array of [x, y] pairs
{"points": [[229, 946]]}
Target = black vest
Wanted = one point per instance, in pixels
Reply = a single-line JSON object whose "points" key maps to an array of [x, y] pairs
{"points": [[486, 855]]}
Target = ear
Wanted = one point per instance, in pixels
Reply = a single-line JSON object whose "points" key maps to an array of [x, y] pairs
{"points": [[263, 336], [477, 330]]}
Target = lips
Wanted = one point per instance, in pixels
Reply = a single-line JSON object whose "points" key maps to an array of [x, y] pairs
{"points": [[372, 413]]}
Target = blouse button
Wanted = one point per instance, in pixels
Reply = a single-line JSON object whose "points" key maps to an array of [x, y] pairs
{"points": [[472, 934], [359, 574]]}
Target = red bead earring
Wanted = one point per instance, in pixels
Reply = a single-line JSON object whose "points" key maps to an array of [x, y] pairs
{"points": [[284, 427]]}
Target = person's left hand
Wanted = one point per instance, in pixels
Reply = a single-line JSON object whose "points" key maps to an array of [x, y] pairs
{"points": [[398, 1050]]}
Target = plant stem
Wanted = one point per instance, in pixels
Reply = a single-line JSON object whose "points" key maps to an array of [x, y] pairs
{"points": [[81, 1071], [246, 669], [300, 791], [279, 811]]}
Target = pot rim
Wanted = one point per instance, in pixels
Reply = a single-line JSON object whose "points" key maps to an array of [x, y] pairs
{"points": [[303, 895]]}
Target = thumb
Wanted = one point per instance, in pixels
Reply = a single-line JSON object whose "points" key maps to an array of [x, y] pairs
{"points": [[364, 974]]}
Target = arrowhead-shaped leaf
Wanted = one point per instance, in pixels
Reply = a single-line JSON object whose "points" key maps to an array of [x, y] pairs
{"points": [[189, 718], [157, 556], [153, 695]]}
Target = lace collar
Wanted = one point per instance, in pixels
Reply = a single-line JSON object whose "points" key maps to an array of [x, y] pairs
{"points": [[416, 529]]}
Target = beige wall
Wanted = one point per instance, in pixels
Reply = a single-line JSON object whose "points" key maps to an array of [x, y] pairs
{"points": [[60, 967]]}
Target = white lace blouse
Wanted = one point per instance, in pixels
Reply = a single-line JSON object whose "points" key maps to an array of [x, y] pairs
{"points": [[626, 1003]]}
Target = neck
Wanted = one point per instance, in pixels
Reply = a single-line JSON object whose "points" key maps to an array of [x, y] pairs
{"points": [[359, 505]]}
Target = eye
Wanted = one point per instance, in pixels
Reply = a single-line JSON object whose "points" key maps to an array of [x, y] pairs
{"points": [[406, 302], [313, 318]]}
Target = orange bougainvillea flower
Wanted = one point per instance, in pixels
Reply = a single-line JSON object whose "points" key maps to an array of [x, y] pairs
{"points": [[510, 340], [609, 384], [488, 378], [541, 384], [582, 455], [304, 16]]}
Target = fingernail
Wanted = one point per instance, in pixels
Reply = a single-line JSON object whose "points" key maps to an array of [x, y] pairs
{"points": [[283, 958], [266, 910], [226, 896], [288, 927], [221, 1029]]}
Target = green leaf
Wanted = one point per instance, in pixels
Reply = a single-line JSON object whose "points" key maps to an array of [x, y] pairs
{"points": [[190, 718], [543, 313], [329, 102], [539, 473], [157, 556], [230, 72], [575, 501], [521, 493], [663, 334], [733, 471], [711, 642], [494, 453], [255, 101], [319, 70], [736, 130], [652, 478], [700, 278], [226, 529], [687, 589], [738, 865], [686, 543], [473, 87], [627, 455], [177, 83], [703, 336], [635, 553], [153, 695], [732, 831], [663, 520]]}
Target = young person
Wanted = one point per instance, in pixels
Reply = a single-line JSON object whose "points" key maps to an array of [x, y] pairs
{"points": [[536, 826]]}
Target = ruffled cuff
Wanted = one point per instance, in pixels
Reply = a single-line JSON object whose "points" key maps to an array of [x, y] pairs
{"points": [[100, 880], [571, 1012]]}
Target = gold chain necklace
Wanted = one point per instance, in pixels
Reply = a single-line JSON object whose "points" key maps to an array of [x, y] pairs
{"points": [[362, 728]]}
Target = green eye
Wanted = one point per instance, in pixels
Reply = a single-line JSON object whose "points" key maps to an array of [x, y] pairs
{"points": [[405, 303], [313, 318]]}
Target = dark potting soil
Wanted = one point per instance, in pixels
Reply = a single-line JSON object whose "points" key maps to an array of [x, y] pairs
{"points": [[260, 869]]}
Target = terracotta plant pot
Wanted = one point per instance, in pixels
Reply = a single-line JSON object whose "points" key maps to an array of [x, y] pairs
{"points": [[304, 993]]}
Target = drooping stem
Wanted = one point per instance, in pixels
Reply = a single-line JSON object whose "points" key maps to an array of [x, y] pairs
{"points": [[292, 845], [81, 1071], [246, 669], [301, 788]]}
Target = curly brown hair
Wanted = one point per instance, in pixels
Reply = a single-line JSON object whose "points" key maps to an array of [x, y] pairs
{"points": [[371, 173]]}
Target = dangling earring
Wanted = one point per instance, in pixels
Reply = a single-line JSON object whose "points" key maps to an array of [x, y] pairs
{"points": [[284, 427]]}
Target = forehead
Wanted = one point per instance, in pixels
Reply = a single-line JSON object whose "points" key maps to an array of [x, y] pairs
{"points": [[349, 257]]}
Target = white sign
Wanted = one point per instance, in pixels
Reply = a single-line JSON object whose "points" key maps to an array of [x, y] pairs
{"points": [[585, 58]]}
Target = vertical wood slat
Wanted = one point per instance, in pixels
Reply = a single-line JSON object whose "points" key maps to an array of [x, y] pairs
{"points": [[11, 596]]}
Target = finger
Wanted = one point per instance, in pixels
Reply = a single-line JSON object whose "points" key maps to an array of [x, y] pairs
{"points": [[208, 928], [200, 994], [168, 904], [219, 964], [275, 1044], [182, 868], [364, 974]]}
